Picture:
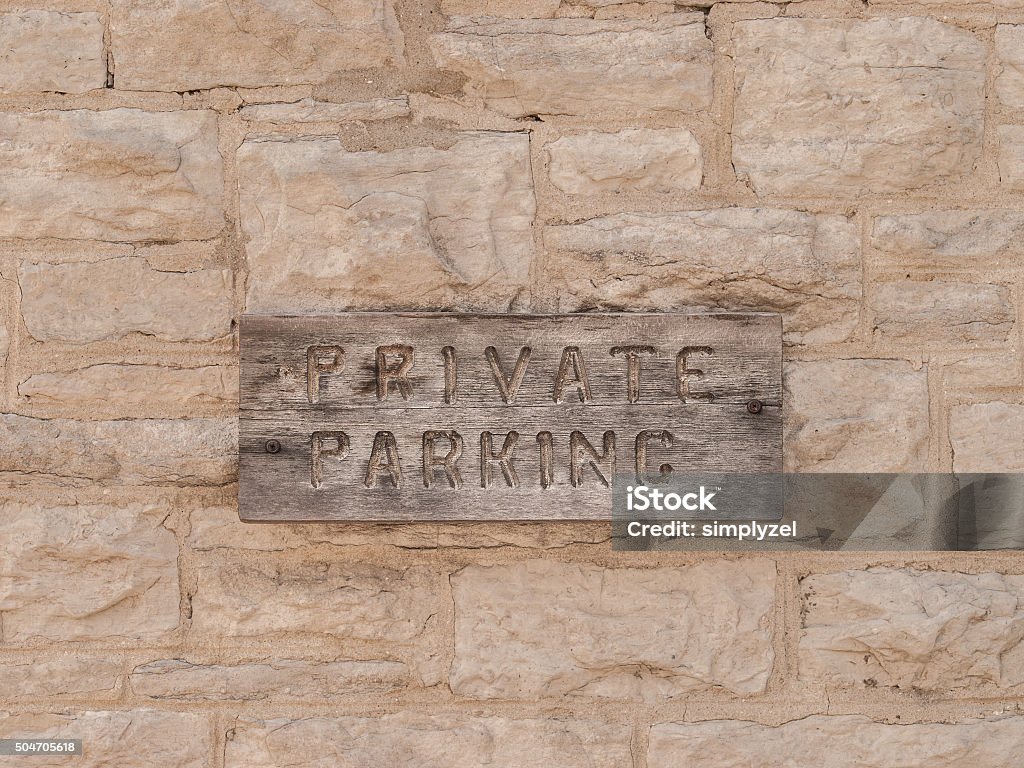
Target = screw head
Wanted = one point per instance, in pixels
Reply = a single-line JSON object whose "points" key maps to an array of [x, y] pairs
{"points": [[754, 406], [272, 446]]}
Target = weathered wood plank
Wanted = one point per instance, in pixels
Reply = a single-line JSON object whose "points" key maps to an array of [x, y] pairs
{"points": [[336, 409]]}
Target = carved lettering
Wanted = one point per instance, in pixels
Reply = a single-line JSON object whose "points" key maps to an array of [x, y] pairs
{"points": [[664, 438], [684, 373], [547, 459], [321, 359], [319, 450], [632, 354], [387, 373], [502, 458], [508, 386], [581, 452], [451, 374], [447, 462], [571, 356], [384, 458]]}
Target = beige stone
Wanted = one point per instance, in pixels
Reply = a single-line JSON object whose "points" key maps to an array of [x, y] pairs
{"points": [[120, 174], [108, 389], [983, 369], [835, 742], [271, 680], [1010, 68], [133, 738], [182, 45], [581, 67], [942, 311], [855, 416], [852, 106], [410, 740], [51, 51], [329, 229], [350, 600], [109, 299], [1011, 156], [986, 437], [514, 9], [804, 265], [73, 674], [663, 160], [916, 630], [313, 111], [86, 572], [950, 240], [218, 528], [170, 452], [547, 629]]}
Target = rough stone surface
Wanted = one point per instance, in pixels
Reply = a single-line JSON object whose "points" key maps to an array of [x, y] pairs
{"points": [[981, 370], [1011, 156], [273, 679], [76, 675], [137, 738], [219, 528], [86, 572], [120, 174], [855, 416], [967, 240], [181, 45], [918, 630], [109, 299], [853, 106], [426, 741], [943, 311], [350, 600], [663, 160], [131, 452], [835, 742], [51, 51], [417, 228], [312, 111], [513, 9], [542, 628], [581, 66], [105, 387], [803, 265], [986, 437], [1010, 69]]}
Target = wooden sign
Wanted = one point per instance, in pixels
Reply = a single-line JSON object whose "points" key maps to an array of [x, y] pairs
{"points": [[406, 416]]}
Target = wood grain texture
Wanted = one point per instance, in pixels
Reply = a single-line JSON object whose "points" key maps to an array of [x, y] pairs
{"points": [[311, 385]]}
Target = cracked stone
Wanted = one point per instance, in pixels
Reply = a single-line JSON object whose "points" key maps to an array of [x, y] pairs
{"points": [[851, 105], [581, 66], [66, 452], [184, 45], [942, 311], [846, 740], [986, 437], [855, 416], [946, 239], [546, 629], [272, 679], [134, 738], [662, 160], [916, 630], [312, 111], [119, 174], [109, 299], [70, 674], [51, 51], [805, 266], [415, 228], [409, 740], [91, 571]]}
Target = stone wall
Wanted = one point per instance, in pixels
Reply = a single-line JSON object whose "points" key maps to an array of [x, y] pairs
{"points": [[164, 166]]}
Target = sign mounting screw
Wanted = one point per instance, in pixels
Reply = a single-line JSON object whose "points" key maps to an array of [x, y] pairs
{"points": [[754, 406], [272, 446]]}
